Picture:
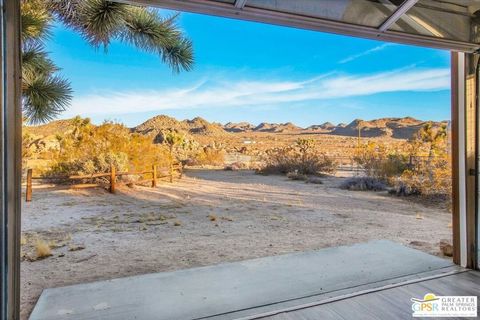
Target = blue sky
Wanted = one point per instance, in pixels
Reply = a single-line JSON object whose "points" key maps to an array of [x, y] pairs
{"points": [[255, 72]]}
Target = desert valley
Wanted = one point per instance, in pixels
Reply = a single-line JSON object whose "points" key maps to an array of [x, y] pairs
{"points": [[246, 191]]}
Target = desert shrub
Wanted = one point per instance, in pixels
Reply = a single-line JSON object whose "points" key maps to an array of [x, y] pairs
{"points": [[405, 189], [423, 170], [297, 176], [430, 174], [209, 156], [302, 157], [90, 164], [426, 178], [377, 163], [303, 177], [236, 166], [363, 184], [91, 149]]}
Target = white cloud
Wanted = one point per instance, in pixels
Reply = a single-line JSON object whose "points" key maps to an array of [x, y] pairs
{"points": [[365, 53], [229, 93]]}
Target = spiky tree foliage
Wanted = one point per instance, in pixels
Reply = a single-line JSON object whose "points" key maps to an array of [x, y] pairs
{"points": [[173, 139], [45, 93], [429, 140], [100, 22]]}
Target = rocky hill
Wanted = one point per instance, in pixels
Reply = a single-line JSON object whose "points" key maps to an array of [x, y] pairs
{"points": [[398, 128], [44, 137], [277, 127], [157, 125], [324, 127], [238, 127], [51, 128]]}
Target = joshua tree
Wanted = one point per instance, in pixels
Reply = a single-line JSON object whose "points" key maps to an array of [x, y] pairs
{"points": [[44, 93], [305, 147], [79, 125], [432, 139], [173, 139]]}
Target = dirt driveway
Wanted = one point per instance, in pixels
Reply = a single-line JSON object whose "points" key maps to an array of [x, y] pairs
{"points": [[210, 216]]}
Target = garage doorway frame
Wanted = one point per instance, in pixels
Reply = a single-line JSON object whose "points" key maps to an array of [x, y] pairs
{"points": [[464, 126]]}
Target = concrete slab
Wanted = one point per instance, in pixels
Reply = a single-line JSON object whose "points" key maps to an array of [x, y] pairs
{"points": [[224, 291]]}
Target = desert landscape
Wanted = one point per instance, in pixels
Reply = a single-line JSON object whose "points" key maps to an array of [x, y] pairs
{"points": [[241, 140], [227, 206]]}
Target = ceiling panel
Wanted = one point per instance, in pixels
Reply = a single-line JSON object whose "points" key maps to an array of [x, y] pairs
{"points": [[454, 20], [446, 24], [371, 13]]}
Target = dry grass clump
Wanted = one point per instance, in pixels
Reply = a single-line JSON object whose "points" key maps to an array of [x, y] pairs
{"points": [[301, 157], [42, 249], [212, 217], [177, 223], [37, 246], [363, 184], [76, 247]]}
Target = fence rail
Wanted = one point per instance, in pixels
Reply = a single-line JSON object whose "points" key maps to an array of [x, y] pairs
{"points": [[174, 170]]}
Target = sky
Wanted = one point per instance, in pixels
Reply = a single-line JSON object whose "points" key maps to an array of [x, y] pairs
{"points": [[246, 71]]}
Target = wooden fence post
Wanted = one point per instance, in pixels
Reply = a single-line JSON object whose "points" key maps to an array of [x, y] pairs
{"points": [[154, 176], [112, 179], [28, 192]]}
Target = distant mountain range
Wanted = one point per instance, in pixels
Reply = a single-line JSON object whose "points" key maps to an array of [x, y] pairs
{"points": [[399, 128]]}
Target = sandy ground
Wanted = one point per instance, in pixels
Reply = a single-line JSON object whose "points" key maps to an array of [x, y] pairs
{"points": [[210, 216]]}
